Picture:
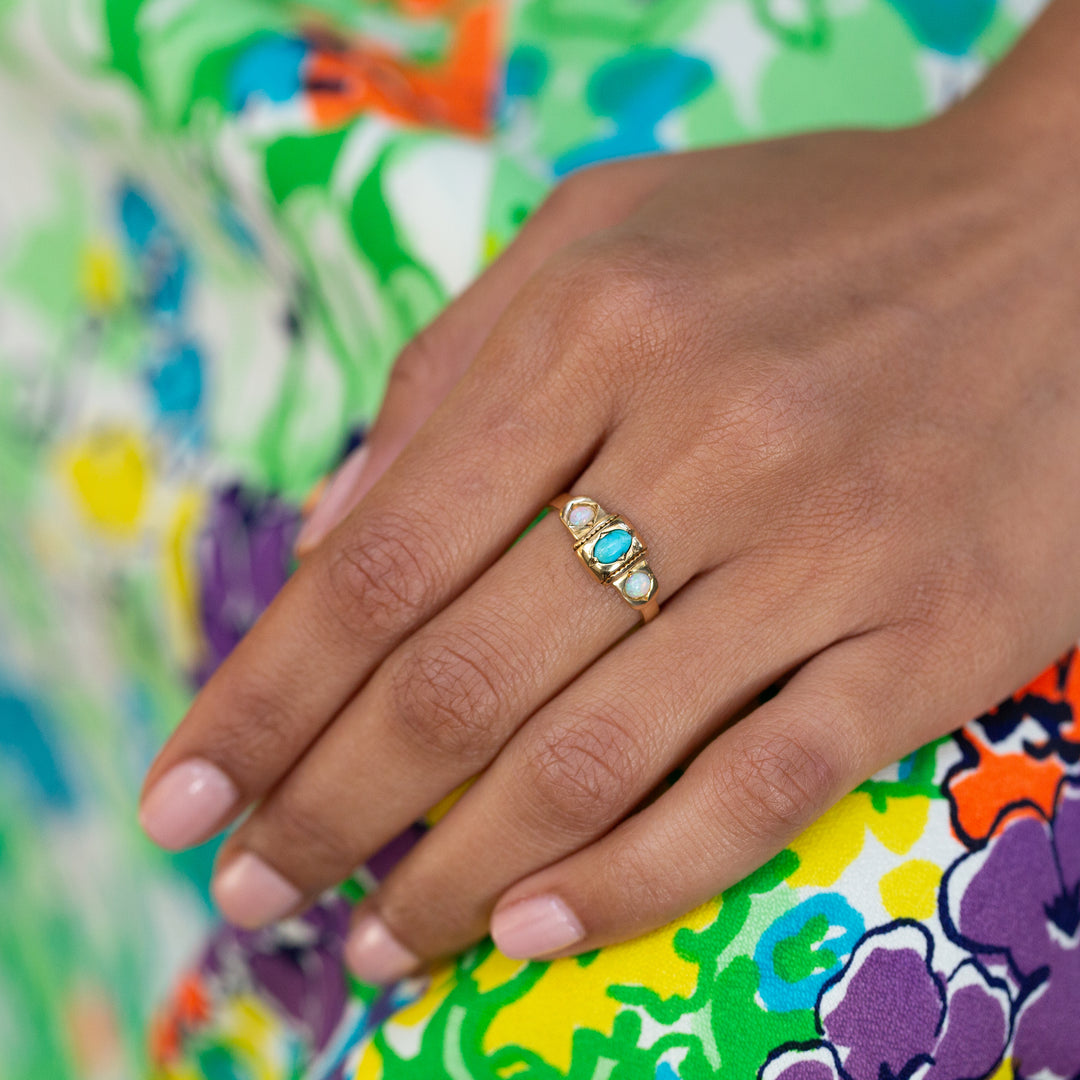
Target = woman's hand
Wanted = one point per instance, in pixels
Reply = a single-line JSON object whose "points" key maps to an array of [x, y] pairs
{"points": [[833, 382]]}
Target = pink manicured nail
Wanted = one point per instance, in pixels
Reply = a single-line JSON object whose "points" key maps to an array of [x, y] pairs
{"points": [[535, 927], [250, 893], [374, 955], [331, 507], [186, 804]]}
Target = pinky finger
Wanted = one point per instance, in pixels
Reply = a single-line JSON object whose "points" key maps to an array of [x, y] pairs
{"points": [[743, 799]]}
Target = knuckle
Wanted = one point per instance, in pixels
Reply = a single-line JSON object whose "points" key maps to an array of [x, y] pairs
{"points": [[773, 418], [956, 599], [376, 581], [295, 828], [930, 596], [429, 906], [416, 363], [773, 785], [955, 587], [628, 296], [428, 362], [583, 772], [252, 745], [641, 890], [445, 697], [608, 311], [615, 290]]}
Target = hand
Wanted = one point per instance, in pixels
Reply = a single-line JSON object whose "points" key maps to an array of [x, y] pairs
{"points": [[832, 381]]}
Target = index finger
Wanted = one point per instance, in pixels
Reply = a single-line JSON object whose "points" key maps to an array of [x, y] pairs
{"points": [[510, 435]]}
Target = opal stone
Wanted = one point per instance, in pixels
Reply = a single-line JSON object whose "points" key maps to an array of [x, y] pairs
{"points": [[611, 546], [580, 515], [638, 584]]}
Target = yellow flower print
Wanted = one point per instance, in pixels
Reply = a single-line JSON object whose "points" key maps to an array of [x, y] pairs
{"points": [[109, 474], [834, 841]]}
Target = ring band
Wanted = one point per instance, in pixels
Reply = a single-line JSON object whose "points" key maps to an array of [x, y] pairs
{"points": [[608, 545]]}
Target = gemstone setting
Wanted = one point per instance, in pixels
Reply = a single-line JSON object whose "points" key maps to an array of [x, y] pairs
{"points": [[580, 515], [638, 584], [612, 546]]}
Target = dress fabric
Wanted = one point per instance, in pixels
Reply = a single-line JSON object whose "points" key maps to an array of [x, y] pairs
{"points": [[218, 224]]}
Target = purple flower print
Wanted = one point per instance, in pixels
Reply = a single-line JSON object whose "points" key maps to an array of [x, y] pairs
{"points": [[295, 965], [803, 1063], [243, 554], [1017, 898], [888, 1015]]}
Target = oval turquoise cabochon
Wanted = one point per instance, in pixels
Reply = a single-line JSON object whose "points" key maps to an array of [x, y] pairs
{"points": [[612, 546]]}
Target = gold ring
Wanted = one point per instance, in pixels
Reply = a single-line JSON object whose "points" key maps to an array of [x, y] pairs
{"points": [[608, 545]]}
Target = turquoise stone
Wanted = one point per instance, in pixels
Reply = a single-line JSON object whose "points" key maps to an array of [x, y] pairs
{"points": [[611, 546]]}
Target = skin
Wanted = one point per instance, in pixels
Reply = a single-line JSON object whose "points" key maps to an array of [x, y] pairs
{"points": [[833, 382]]}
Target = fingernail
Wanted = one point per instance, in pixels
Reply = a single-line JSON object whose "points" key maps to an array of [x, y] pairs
{"points": [[250, 893], [374, 955], [186, 804], [314, 496], [535, 927], [331, 507]]}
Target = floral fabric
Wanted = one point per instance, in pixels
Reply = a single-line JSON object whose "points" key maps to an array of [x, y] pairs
{"points": [[219, 222]]}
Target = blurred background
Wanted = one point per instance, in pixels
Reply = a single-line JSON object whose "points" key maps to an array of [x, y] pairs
{"points": [[219, 220]]}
